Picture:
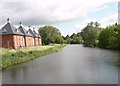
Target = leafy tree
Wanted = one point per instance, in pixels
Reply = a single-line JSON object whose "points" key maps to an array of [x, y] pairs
{"points": [[118, 36], [78, 34], [59, 40], [90, 34], [74, 38], [67, 37], [104, 38], [97, 24], [73, 35], [110, 37], [49, 34]]}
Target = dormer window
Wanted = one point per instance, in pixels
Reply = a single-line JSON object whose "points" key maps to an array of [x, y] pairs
{"points": [[16, 30], [27, 32], [4, 31]]}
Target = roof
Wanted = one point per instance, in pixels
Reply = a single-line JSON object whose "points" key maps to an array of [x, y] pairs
{"points": [[38, 35], [10, 29], [24, 31], [31, 32]]}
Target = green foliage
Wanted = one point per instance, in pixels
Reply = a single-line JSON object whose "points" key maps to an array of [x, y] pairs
{"points": [[76, 40], [59, 40], [110, 37], [50, 34], [90, 34], [104, 38], [73, 39]]}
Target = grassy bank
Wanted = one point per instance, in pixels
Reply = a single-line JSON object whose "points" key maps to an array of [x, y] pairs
{"points": [[12, 57]]}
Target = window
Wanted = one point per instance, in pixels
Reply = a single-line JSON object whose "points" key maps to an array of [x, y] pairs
{"points": [[4, 31], [27, 32], [16, 30]]}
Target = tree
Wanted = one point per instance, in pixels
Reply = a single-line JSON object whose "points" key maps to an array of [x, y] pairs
{"points": [[59, 40], [67, 37], [90, 34], [78, 34], [110, 37], [49, 34], [104, 38], [74, 39], [97, 24], [73, 35]]}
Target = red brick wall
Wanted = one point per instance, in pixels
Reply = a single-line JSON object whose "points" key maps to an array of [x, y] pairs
{"points": [[39, 41], [19, 41], [7, 41], [29, 41], [35, 41]]}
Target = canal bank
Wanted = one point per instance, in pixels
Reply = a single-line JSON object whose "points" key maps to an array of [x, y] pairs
{"points": [[74, 64], [12, 57]]}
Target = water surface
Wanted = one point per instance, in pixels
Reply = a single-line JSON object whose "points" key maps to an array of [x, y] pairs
{"points": [[74, 64]]}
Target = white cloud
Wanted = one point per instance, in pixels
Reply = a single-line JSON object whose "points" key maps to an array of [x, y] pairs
{"points": [[109, 19], [84, 23], [35, 12]]}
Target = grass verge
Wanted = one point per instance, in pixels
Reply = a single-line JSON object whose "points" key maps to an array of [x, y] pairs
{"points": [[11, 57]]}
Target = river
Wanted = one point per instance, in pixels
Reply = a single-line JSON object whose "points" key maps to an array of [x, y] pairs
{"points": [[74, 64]]}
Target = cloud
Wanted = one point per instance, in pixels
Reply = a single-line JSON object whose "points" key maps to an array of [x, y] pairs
{"points": [[109, 19], [37, 12], [83, 24]]}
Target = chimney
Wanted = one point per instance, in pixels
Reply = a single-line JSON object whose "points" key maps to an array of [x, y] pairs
{"points": [[8, 20], [20, 24]]}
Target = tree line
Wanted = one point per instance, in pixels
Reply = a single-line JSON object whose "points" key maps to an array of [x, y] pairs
{"points": [[109, 38], [91, 36], [52, 34]]}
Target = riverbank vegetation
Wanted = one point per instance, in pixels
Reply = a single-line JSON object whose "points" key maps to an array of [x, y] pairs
{"points": [[52, 34], [110, 37], [91, 36], [95, 36], [12, 57]]}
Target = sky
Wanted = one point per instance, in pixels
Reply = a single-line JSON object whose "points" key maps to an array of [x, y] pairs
{"points": [[69, 16]]}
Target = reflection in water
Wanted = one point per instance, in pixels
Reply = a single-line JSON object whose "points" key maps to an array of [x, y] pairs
{"points": [[74, 64]]}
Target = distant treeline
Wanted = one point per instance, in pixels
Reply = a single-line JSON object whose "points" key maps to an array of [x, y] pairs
{"points": [[91, 36]]}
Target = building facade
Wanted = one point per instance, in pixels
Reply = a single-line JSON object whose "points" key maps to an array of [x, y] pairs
{"points": [[12, 37], [36, 37]]}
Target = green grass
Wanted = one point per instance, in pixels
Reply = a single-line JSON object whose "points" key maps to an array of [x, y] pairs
{"points": [[12, 57]]}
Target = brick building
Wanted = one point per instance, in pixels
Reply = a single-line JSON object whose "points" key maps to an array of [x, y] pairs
{"points": [[36, 37], [27, 36], [12, 37]]}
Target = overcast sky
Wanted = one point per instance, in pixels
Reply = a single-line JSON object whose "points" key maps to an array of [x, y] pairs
{"points": [[67, 15]]}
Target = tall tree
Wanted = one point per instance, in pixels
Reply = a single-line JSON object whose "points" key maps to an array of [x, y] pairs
{"points": [[97, 24], [90, 35], [49, 34], [110, 37]]}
